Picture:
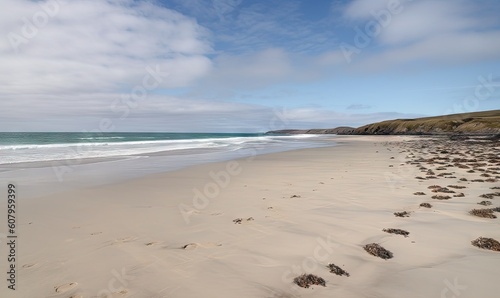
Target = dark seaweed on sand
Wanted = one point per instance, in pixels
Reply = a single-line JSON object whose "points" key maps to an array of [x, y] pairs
{"points": [[487, 196], [337, 270], [486, 243], [306, 280], [485, 203], [402, 214], [438, 197], [397, 232], [485, 213], [378, 251]]}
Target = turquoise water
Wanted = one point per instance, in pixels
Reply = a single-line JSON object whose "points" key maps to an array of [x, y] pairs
{"points": [[55, 146], [46, 138]]}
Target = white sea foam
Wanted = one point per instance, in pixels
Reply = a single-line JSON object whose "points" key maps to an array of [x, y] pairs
{"points": [[10, 154]]}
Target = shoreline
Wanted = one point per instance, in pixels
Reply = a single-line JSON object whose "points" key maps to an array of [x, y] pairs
{"points": [[50, 177], [177, 234]]}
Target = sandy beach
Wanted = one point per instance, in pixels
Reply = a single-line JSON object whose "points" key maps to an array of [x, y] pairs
{"points": [[248, 227]]}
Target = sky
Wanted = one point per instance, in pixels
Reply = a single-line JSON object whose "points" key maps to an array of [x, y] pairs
{"points": [[243, 65]]}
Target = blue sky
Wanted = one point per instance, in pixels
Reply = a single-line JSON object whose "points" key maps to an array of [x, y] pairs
{"points": [[238, 65]]}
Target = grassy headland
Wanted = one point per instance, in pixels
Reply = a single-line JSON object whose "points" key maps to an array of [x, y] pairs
{"points": [[477, 123]]}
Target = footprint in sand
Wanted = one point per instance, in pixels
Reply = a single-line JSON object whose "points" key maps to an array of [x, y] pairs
{"points": [[193, 245], [193, 212], [190, 246], [239, 221], [122, 240], [152, 243], [126, 239], [65, 287], [122, 293]]}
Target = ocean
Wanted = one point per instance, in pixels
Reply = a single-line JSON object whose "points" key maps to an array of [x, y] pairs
{"points": [[55, 161], [39, 146]]}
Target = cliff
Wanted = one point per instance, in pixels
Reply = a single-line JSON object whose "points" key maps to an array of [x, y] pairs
{"points": [[477, 123]]}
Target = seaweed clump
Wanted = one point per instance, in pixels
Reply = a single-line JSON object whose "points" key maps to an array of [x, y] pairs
{"points": [[486, 243], [402, 214], [306, 280], [337, 270], [378, 251], [485, 213], [397, 232]]}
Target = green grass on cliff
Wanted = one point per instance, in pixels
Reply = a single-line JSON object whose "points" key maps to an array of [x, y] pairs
{"points": [[474, 123]]}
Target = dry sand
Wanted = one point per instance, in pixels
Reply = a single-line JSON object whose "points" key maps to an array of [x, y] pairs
{"points": [[175, 234]]}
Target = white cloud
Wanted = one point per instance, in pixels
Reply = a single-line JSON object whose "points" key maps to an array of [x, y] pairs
{"points": [[443, 50], [93, 46], [436, 31], [88, 112], [266, 68], [427, 19], [358, 107], [452, 48], [306, 118], [69, 73], [249, 26], [254, 70]]}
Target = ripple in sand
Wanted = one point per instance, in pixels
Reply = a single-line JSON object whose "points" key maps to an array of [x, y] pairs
{"points": [[65, 287]]}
